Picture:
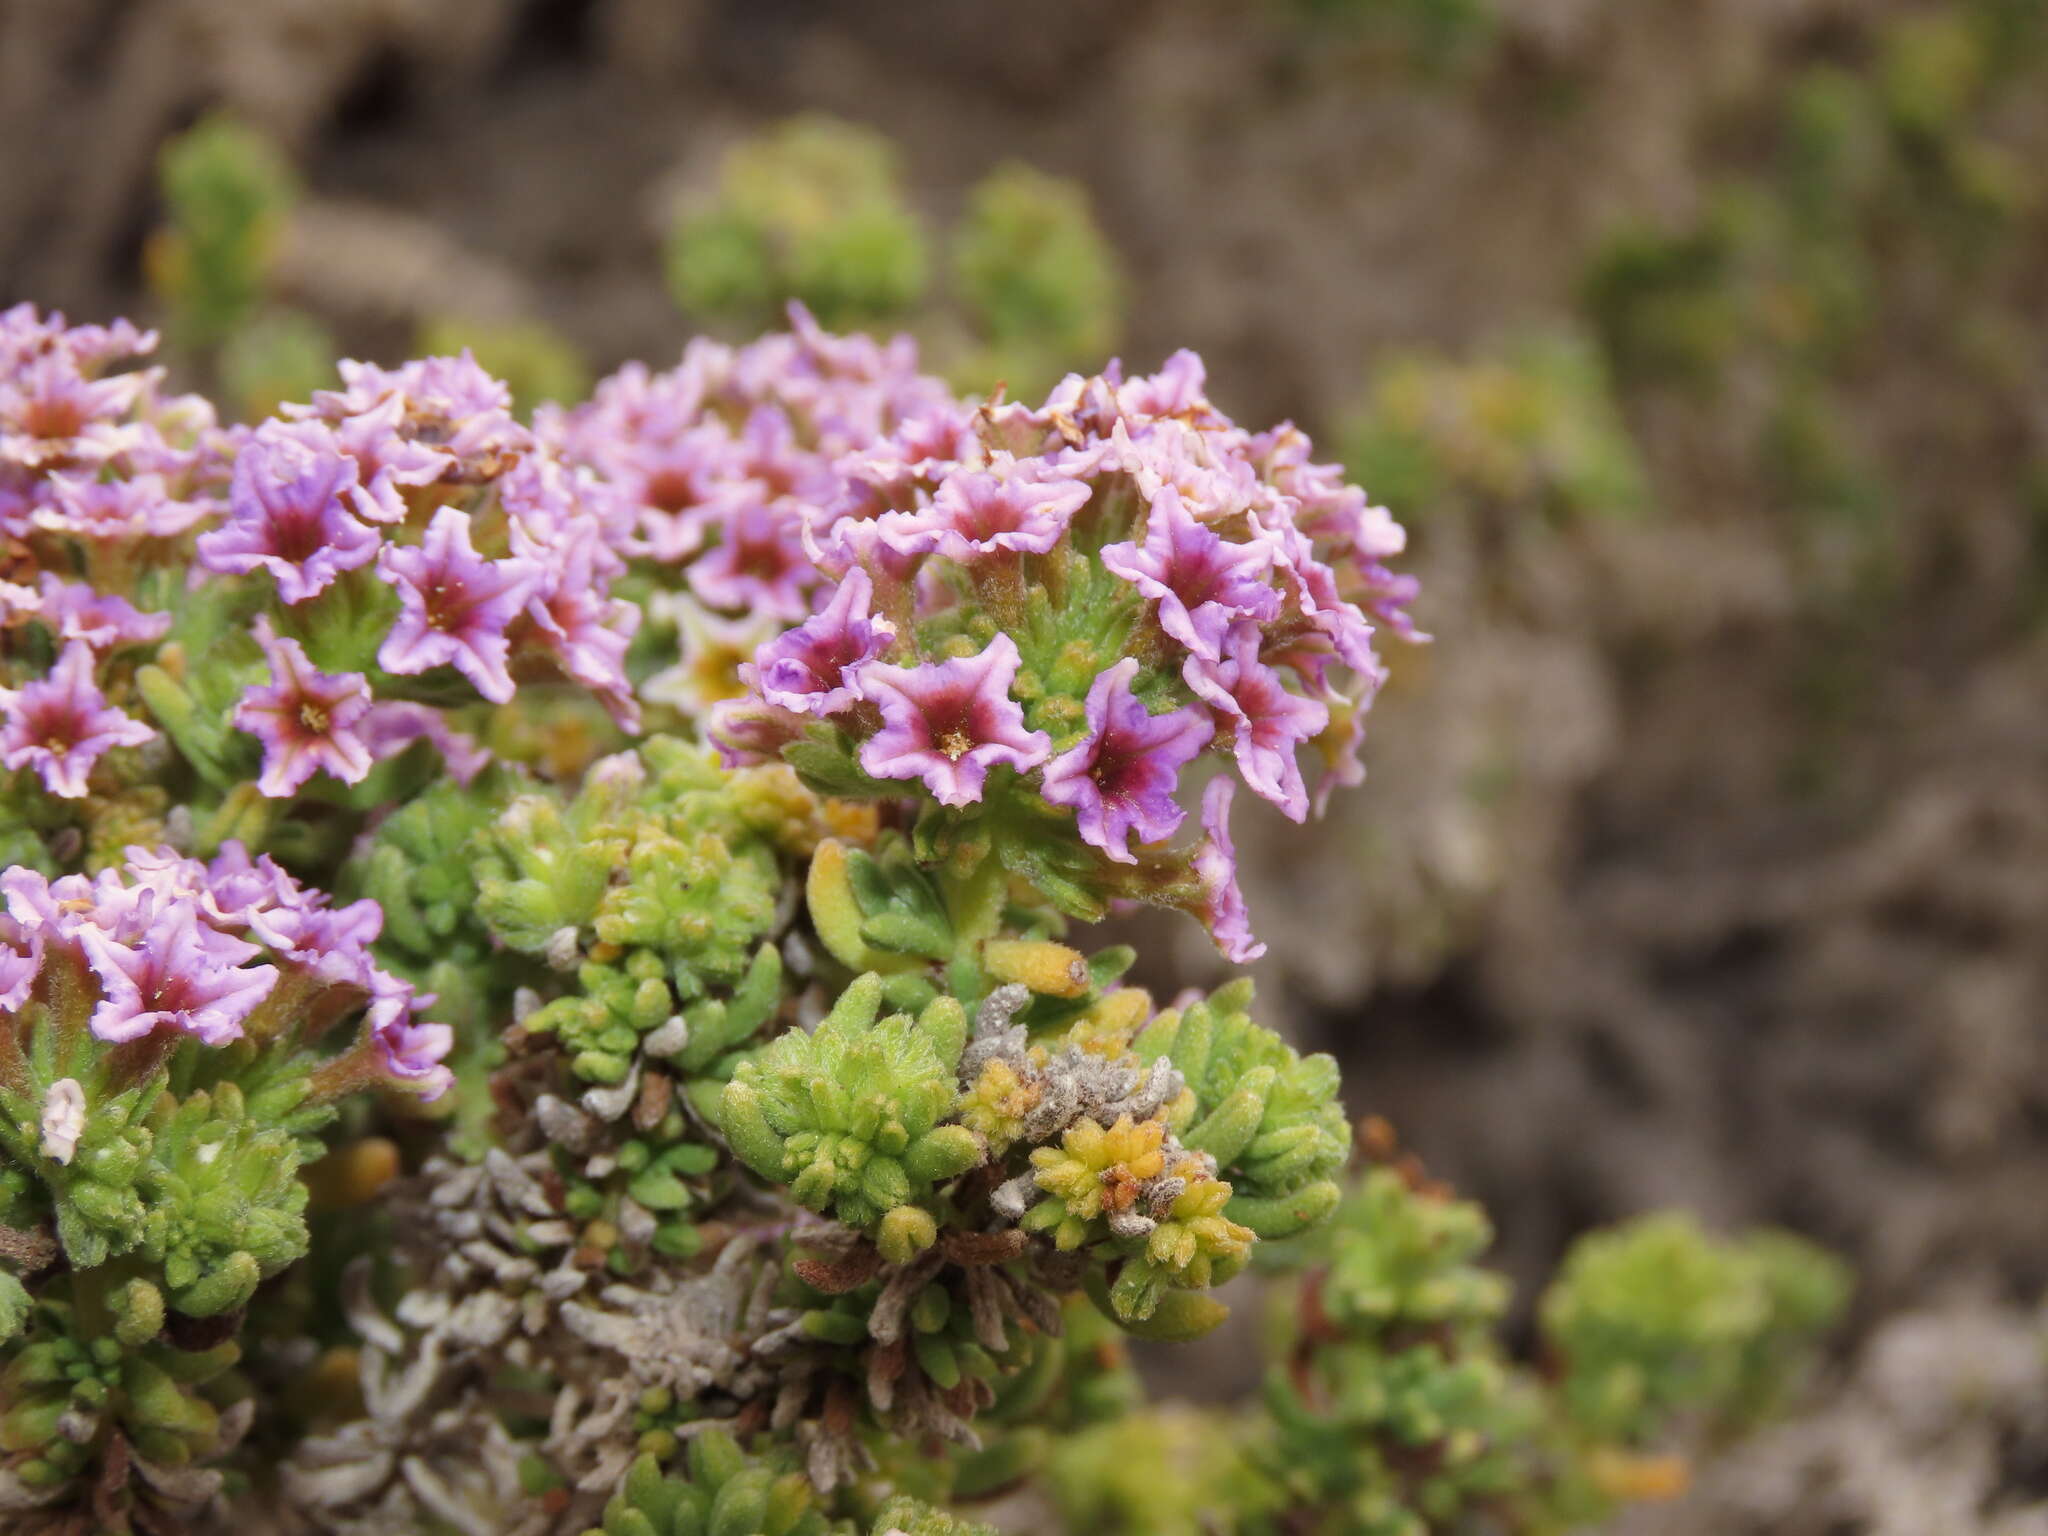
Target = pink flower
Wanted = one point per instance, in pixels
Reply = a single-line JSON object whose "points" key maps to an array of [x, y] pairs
{"points": [[815, 668], [1175, 390], [984, 512], [392, 726], [387, 462], [1220, 905], [456, 606], [1120, 778], [333, 943], [757, 566], [24, 335], [1200, 580], [289, 505], [21, 956], [181, 975], [949, 722], [118, 511], [747, 732], [237, 889], [447, 405], [62, 724], [76, 612], [64, 908], [1271, 722], [306, 719], [587, 632], [411, 1049], [53, 412]]}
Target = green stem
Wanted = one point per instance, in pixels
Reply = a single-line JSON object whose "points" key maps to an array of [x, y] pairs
{"points": [[975, 900]]}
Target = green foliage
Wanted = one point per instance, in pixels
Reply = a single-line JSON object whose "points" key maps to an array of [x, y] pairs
{"points": [[654, 886], [227, 192], [903, 1516], [815, 210], [69, 1384], [1394, 1409], [812, 210], [1270, 1117], [1399, 1413], [417, 868], [1166, 1472], [1656, 1320], [1535, 429], [224, 1205], [848, 1116], [277, 355], [1037, 278], [722, 1492]]}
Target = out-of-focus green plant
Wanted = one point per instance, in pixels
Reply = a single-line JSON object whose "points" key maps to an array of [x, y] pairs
{"points": [[277, 355], [1394, 1409], [1656, 1322], [1784, 273], [811, 210], [1436, 36], [228, 194], [815, 210], [1533, 429], [1037, 279]]}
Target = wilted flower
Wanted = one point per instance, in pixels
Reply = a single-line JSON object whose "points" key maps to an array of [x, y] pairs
{"points": [[1221, 904], [63, 1119]]}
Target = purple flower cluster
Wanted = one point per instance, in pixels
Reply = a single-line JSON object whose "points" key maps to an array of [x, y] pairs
{"points": [[91, 452], [500, 554], [168, 942], [725, 459], [1229, 593], [100, 473]]}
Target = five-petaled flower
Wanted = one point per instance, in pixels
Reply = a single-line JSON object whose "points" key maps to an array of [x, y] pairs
{"points": [[1270, 720], [815, 668], [308, 720], [290, 515], [1120, 777], [1200, 580], [62, 724], [949, 722], [456, 606], [978, 513], [180, 975]]}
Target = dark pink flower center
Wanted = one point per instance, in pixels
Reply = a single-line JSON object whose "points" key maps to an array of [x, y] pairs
{"points": [[449, 602], [669, 490], [53, 416], [297, 533]]}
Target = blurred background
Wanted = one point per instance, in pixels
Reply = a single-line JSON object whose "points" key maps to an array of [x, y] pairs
{"points": [[1701, 345]]}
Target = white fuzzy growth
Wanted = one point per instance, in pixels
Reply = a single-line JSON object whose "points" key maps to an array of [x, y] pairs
{"points": [[63, 1119]]}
